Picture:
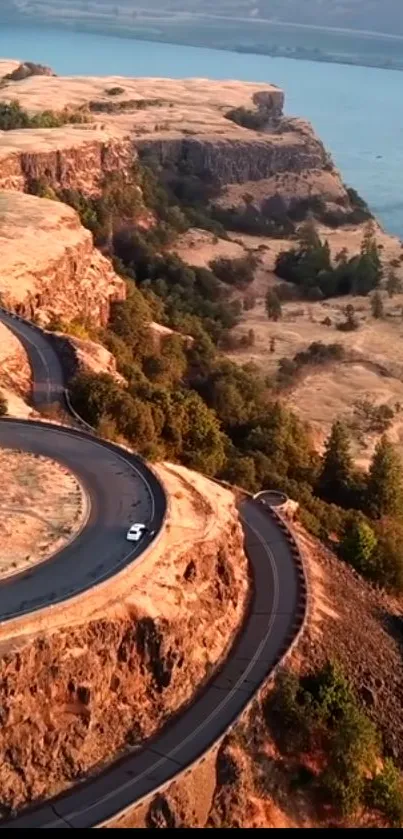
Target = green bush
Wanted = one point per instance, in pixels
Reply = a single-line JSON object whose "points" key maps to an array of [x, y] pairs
{"points": [[13, 116], [114, 91], [317, 354], [358, 544], [237, 272], [384, 793], [320, 711], [387, 559]]}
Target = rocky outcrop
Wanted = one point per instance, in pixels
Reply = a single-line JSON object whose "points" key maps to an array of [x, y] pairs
{"points": [[27, 69], [15, 374], [77, 355], [49, 264]]}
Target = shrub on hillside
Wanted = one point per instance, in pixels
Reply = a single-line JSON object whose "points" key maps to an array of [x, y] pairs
{"points": [[13, 116], [247, 118], [319, 712], [384, 793], [317, 354], [238, 272]]}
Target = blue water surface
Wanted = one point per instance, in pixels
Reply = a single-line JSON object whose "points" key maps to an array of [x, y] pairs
{"points": [[357, 111]]}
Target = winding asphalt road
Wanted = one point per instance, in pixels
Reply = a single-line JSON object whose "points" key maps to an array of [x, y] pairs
{"points": [[119, 490], [269, 628]]}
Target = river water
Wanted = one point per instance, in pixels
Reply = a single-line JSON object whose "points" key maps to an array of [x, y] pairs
{"points": [[357, 111]]}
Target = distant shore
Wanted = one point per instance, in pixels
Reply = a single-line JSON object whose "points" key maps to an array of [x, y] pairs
{"points": [[296, 41]]}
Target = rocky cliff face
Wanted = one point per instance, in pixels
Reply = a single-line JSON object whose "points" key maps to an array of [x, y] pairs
{"points": [[78, 160], [237, 160], [228, 133], [49, 263], [72, 700]]}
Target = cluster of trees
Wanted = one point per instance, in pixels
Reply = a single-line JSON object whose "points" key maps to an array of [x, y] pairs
{"points": [[310, 267], [320, 714], [371, 531], [13, 116], [183, 401]]}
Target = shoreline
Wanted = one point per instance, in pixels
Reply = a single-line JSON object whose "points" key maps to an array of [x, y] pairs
{"points": [[152, 35]]}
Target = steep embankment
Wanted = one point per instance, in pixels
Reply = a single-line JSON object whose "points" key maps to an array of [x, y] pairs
{"points": [[73, 699], [359, 628]]}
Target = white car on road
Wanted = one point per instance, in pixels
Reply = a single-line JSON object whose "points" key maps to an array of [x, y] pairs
{"points": [[137, 531]]}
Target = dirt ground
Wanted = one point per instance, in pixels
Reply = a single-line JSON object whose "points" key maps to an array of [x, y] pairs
{"points": [[372, 369], [42, 506]]}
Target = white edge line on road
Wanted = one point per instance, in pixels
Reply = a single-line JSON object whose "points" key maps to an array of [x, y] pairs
{"points": [[124, 560]]}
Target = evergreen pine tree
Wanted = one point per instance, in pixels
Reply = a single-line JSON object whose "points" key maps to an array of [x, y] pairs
{"points": [[393, 283], [335, 477], [385, 481], [368, 273], [358, 544]]}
